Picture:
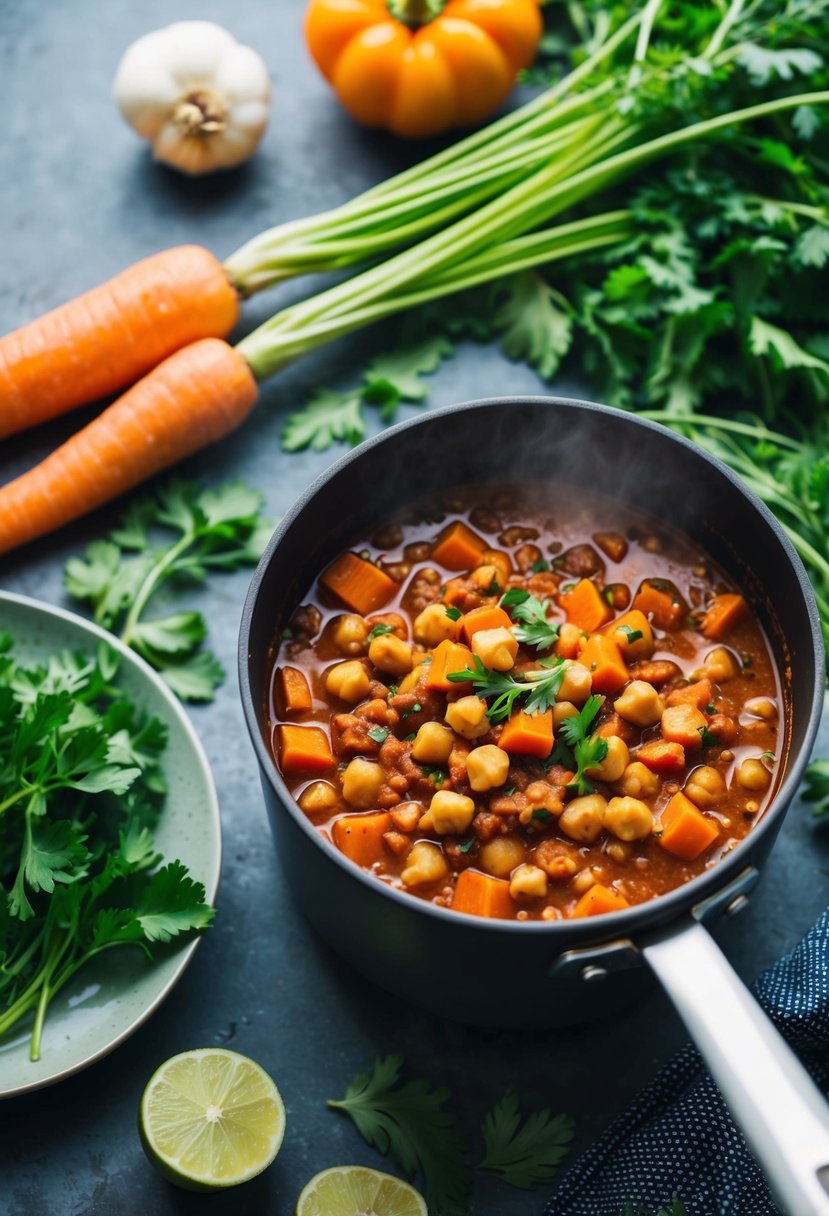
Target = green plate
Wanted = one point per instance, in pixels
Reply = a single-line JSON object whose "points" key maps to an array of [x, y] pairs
{"points": [[111, 997]]}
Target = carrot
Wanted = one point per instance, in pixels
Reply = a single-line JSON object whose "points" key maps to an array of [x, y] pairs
{"points": [[458, 547], [724, 613], [585, 606], [483, 618], [448, 656], [684, 724], [528, 734], [360, 837], [358, 583], [110, 336], [603, 659], [599, 899], [662, 756], [196, 396], [633, 635], [303, 749], [685, 830], [480, 895], [293, 694], [659, 599], [698, 694]]}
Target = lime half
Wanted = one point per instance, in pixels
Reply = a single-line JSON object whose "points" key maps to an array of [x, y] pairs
{"points": [[353, 1190], [210, 1119]]}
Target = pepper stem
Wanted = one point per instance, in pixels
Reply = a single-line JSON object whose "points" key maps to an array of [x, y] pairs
{"points": [[415, 13]]}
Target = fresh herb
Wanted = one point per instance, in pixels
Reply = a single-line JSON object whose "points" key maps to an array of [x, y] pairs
{"points": [[202, 531], [379, 631], [81, 787], [453, 613], [816, 787], [632, 635], [534, 629], [494, 588], [437, 774], [466, 845], [524, 1154], [709, 739], [408, 1121], [393, 689], [768, 757], [378, 733], [508, 793], [541, 566], [588, 750], [539, 686], [412, 735], [542, 814]]}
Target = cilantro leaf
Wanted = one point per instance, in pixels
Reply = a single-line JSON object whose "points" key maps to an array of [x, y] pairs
{"points": [[534, 323], [539, 686], [524, 1154], [408, 1121], [196, 679], [762, 63], [588, 750], [329, 417], [397, 375], [534, 629], [171, 903], [379, 631]]}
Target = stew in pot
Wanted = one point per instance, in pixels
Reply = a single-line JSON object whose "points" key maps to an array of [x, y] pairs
{"points": [[527, 704]]}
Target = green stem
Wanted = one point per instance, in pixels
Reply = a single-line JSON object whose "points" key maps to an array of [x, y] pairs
{"points": [[723, 29], [147, 588]]}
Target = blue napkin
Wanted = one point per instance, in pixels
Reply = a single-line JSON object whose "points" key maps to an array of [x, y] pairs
{"points": [[678, 1139]]}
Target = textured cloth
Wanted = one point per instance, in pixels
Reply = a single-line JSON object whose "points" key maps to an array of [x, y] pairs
{"points": [[678, 1138]]}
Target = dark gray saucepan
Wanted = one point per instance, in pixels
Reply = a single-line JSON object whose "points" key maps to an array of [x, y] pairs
{"points": [[560, 972]]}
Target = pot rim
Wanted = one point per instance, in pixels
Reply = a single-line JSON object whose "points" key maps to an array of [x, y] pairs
{"points": [[618, 924]]}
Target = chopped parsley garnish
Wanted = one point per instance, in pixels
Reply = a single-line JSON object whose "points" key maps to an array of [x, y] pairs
{"points": [[539, 686], [379, 734], [632, 635], [533, 628], [412, 735], [768, 757], [588, 750], [494, 588], [541, 566], [542, 813], [453, 613], [466, 845], [708, 738], [437, 773], [379, 631], [392, 691]]}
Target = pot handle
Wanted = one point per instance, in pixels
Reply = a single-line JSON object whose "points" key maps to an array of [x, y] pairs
{"points": [[771, 1095]]}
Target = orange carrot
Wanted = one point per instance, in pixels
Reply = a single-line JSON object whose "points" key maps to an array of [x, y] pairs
{"points": [[585, 606], [723, 615], [458, 547], [528, 734], [661, 602], [662, 756], [698, 694], [483, 618], [599, 899], [293, 693], [603, 659], [358, 583], [303, 749], [360, 837], [480, 895], [684, 724], [110, 336], [449, 656], [196, 396], [685, 830], [633, 635]]}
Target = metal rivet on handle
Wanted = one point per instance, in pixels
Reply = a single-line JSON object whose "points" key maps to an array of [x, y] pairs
{"points": [[592, 973], [736, 905]]}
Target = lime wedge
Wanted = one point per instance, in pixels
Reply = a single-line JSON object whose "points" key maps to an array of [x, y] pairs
{"points": [[210, 1119], [353, 1190]]}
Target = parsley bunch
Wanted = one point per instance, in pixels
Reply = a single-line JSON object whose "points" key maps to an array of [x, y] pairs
{"points": [[81, 786], [539, 686], [202, 531]]}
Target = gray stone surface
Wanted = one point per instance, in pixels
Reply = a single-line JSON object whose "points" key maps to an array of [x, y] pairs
{"points": [[79, 199]]}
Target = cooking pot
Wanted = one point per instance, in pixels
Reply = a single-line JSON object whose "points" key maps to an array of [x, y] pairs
{"points": [[561, 972]]}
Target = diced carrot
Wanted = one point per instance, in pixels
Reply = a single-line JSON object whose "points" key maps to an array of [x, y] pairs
{"points": [[633, 635], [662, 756], [458, 547], [454, 591], [686, 832], [684, 724], [585, 606], [661, 602], [698, 694], [483, 618], [723, 614], [528, 734], [599, 899], [360, 837], [358, 583], [603, 659], [303, 749], [481, 895], [448, 656], [291, 692]]}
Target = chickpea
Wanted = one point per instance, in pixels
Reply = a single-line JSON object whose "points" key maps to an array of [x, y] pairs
{"points": [[487, 767], [618, 851], [496, 648], [412, 679], [467, 716], [425, 864], [563, 710], [753, 775], [388, 653], [762, 707], [349, 681], [585, 879], [582, 819], [576, 684], [362, 782], [528, 882], [569, 642], [705, 786], [406, 816], [637, 781], [640, 704], [614, 763], [318, 797], [720, 665], [449, 813], [432, 744], [349, 634], [501, 855], [628, 818], [433, 625]]}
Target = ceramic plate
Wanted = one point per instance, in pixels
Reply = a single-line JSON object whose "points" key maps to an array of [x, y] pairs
{"points": [[113, 995]]}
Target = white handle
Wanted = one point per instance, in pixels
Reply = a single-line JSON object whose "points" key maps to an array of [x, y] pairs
{"points": [[781, 1111]]}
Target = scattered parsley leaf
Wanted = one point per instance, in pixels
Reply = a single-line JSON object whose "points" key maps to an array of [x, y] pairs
{"points": [[524, 1154], [466, 845], [378, 733], [632, 635], [409, 1123], [533, 629], [379, 631], [329, 417], [539, 686], [534, 322], [588, 750], [709, 739], [453, 613], [437, 774]]}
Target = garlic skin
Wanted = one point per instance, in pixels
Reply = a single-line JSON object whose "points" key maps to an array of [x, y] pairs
{"points": [[199, 97]]}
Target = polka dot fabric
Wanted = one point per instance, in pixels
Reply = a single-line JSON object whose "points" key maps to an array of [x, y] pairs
{"points": [[678, 1139]]}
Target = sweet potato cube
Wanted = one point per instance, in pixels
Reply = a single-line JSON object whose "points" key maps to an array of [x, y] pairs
{"points": [[483, 618], [292, 692], [481, 895], [599, 899], [303, 749], [684, 724], [358, 583], [360, 837], [633, 635], [698, 694], [585, 606], [723, 614], [661, 602], [458, 547], [447, 657], [528, 734], [686, 832], [603, 659], [662, 756]]}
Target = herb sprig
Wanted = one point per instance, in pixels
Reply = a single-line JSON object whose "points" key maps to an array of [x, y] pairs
{"points": [[539, 686], [524, 1154], [533, 629], [586, 750]]}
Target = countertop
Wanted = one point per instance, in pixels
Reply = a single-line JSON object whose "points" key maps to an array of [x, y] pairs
{"points": [[79, 199]]}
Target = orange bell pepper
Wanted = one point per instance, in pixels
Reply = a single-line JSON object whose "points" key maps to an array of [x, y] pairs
{"points": [[421, 67]]}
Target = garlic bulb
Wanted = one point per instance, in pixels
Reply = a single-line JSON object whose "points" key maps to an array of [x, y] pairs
{"points": [[199, 97]]}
